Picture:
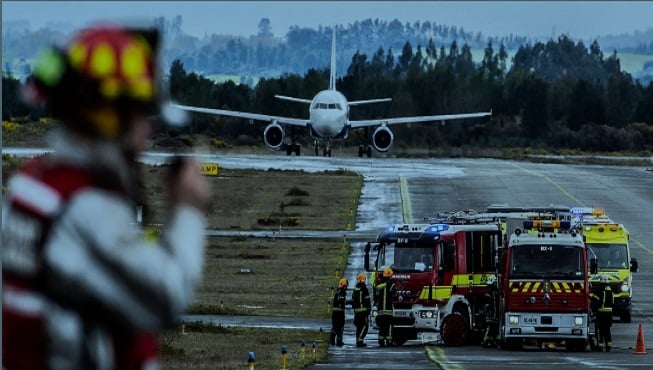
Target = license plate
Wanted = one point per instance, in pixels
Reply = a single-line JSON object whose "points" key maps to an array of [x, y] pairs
{"points": [[530, 320]]}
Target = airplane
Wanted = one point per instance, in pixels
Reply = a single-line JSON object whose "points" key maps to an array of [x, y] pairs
{"points": [[329, 119]]}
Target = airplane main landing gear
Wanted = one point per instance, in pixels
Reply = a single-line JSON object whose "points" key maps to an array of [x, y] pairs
{"points": [[290, 148], [365, 150]]}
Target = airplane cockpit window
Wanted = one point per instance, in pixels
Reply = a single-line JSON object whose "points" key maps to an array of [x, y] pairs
{"points": [[316, 105], [338, 106], [332, 106]]}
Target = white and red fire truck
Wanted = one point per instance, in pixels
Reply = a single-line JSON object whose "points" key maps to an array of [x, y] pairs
{"points": [[543, 286], [440, 273]]}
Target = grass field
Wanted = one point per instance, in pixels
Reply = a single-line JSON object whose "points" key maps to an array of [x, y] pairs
{"points": [[263, 276]]}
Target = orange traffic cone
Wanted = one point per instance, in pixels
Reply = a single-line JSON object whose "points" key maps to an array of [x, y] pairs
{"points": [[640, 349]]}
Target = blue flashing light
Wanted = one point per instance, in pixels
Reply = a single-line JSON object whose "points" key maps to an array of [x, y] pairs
{"points": [[437, 228], [528, 224], [565, 225]]}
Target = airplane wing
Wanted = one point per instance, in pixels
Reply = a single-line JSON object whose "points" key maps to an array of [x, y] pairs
{"points": [[296, 100], [253, 116], [404, 120], [361, 102]]}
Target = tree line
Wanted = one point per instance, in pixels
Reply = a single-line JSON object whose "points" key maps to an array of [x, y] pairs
{"points": [[559, 94], [556, 95]]}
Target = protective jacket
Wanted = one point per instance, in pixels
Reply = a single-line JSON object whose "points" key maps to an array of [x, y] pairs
{"points": [[82, 289], [340, 301], [383, 298], [360, 299]]}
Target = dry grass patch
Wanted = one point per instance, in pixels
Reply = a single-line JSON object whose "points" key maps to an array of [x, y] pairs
{"points": [[216, 348], [287, 277], [248, 199]]}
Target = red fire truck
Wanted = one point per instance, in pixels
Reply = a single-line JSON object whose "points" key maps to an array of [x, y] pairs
{"points": [[543, 286], [440, 273]]}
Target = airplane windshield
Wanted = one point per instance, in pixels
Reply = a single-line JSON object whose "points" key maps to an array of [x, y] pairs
{"points": [[546, 261], [610, 256], [327, 106]]}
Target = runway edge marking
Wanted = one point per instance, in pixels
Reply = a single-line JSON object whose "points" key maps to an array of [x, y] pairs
{"points": [[406, 206], [437, 355]]}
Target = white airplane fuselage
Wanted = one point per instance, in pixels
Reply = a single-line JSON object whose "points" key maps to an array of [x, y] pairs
{"points": [[329, 115]]}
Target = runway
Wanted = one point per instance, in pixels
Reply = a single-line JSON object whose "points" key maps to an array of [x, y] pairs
{"points": [[408, 190], [398, 190]]}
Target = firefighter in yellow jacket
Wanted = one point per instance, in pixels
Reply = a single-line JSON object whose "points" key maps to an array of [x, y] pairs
{"points": [[603, 301], [383, 303], [338, 313], [361, 304]]}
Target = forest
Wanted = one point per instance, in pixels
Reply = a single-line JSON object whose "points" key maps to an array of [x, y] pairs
{"points": [[558, 94]]}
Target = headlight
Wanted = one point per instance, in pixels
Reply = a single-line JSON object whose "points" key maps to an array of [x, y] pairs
{"points": [[426, 314], [625, 287], [513, 319], [578, 320]]}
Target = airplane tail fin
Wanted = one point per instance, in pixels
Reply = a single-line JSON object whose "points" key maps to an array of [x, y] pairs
{"points": [[332, 77]]}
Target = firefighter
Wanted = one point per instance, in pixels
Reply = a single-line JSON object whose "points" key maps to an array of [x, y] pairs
{"points": [[383, 303], [362, 307], [338, 313], [82, 288], [490, 300], [603, 302]]}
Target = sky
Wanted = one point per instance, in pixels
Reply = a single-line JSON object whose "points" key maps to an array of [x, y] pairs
{"points": [[579, 19]]}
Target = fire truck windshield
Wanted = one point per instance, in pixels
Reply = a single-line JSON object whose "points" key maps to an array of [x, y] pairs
{"points": [[610, 256], [546, 261], [404, 258]]}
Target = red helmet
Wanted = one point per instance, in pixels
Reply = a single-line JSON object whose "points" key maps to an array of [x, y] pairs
{"points": [[100, 79]]}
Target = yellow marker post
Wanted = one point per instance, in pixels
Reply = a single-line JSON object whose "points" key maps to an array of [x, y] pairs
{"points": [[251, 361], [315, 349], [302, 344], [284, 355], [209, 169]]}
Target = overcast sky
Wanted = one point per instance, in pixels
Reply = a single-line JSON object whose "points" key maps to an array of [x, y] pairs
{"points": [[581, 19]]}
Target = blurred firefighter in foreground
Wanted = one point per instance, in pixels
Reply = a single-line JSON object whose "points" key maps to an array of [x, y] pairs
{"points": [[338, 313], [82, 288], [383, 302], [360, 299], [601, 303]]}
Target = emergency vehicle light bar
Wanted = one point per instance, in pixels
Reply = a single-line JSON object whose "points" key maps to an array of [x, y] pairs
{"points": [[556, 224], [437, 228]]}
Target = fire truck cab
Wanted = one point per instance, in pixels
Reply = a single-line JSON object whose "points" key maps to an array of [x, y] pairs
{"points": [[440, 274], [543, 285]]}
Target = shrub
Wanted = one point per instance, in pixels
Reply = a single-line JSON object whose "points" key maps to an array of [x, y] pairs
{"points": [[295, 191]]}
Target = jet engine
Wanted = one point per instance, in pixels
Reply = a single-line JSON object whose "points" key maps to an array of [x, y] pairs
{"points": [[382, 139], [273, 136]]}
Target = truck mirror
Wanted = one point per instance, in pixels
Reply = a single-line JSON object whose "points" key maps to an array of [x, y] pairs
{"points": [[594, 266], [368, 246], [633, 265]]}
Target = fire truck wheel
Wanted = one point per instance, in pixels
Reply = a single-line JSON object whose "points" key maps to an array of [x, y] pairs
{"points": [[398, 340], [576, 345], [511, 344], [454, 330]]}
